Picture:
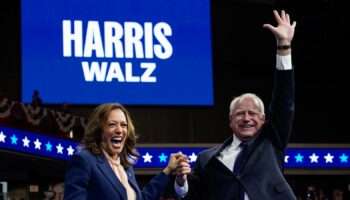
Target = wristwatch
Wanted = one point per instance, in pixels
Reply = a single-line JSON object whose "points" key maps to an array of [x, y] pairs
{"points": [[284, 47]]}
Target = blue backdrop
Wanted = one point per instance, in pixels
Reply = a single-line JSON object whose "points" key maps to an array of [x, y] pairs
{"points": [[142, 52]]}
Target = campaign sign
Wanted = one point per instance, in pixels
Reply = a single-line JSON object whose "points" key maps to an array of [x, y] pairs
{"points": [[142, 52]]}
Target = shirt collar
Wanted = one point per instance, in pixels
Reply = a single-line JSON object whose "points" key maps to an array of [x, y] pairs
{"points": [[110, 159], [235, 142]]}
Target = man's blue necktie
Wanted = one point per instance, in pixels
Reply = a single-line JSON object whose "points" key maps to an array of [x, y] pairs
{"points": [[237, 165]]}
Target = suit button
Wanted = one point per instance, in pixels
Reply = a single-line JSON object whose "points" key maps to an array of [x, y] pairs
{"points": [[238, 178]]}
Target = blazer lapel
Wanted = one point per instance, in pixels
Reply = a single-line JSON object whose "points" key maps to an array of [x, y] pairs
{"points": [[109, 174], [228, 141], [131, 179], [252, 145]]}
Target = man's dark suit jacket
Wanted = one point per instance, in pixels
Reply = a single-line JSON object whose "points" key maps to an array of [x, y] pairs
{"points": [[261, 173], [91, 177]]}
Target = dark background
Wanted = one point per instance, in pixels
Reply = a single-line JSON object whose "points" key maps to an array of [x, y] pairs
{"points": [[243, 61]]}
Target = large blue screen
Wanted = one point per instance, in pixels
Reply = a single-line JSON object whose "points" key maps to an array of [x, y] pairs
{"points": [[142, 52]]}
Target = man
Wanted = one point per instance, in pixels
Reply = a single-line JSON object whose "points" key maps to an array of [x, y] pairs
{"points": [[252, 170]]}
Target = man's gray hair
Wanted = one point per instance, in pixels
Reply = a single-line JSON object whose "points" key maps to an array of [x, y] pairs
{"points": [[238, 99]]}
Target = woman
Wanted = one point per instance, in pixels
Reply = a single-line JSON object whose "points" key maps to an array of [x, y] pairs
{"points": [[103, 168]]}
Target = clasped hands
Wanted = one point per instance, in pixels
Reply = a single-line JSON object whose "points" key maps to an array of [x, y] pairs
{"points": [[179, 164]]}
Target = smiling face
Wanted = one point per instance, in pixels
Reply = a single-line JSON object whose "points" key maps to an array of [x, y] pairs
{"points": [[114, 133], [246, 118]]}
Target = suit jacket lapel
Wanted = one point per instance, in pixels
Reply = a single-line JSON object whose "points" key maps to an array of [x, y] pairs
{"points": [[109, 174], [252, 145], [228, 141]]}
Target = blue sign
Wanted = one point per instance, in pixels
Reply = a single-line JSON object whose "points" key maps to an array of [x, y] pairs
{"points": [[158, 157], [37, 144], [143, 52], [318, 158]]}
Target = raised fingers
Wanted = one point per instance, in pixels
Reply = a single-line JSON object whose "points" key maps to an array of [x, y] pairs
{"points": [[287, 18], [283, 15]]}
